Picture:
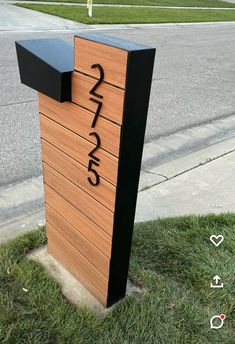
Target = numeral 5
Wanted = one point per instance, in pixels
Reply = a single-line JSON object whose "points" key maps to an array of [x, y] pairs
{"points": [[92, 170]]}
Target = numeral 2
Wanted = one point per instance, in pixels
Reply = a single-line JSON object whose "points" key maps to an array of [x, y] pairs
{"points": [[98, 143], [101, 79]]}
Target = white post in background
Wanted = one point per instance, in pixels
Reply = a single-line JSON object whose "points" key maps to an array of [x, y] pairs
{"points": [[89, 7]]}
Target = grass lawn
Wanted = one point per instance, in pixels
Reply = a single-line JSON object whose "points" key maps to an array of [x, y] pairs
{"points": [[109, 15], [189, 3], [173, 262]]}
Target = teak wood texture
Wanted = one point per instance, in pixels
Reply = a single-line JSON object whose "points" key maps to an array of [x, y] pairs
{"points": [[112, 108], [77, 173], [90, 230], [91, 152], [79, 120], [112, 59], [78, 148]]}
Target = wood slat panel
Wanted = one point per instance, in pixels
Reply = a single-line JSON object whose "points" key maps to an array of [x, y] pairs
{"points": [[79, 120], [79, 199], [78, 241], [82, 223], [77, 265], [104, 192], [78, 148], [113, 98], [113, 60]]}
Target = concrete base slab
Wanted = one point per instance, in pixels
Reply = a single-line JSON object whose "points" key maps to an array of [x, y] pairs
{"points": [[73, 290]]}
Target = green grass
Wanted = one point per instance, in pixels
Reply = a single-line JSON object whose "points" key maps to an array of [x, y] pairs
{"points": [[109, 15], [172, 261], [183, 3]]}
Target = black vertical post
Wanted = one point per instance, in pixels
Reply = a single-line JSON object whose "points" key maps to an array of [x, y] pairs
{"points": [[138, 85]]}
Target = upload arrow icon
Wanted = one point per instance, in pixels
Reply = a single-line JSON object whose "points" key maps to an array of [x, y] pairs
{"points": [[217, 284]]}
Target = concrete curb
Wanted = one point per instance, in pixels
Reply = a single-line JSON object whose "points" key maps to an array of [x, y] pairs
{"points": [[206, 189], [170, 156], [21, 208], [55, 24]]}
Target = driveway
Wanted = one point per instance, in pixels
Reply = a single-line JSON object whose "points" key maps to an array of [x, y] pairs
{"points": [[193, 82], [14, 18]]}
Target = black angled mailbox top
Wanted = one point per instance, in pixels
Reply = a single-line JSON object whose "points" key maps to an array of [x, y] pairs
{"points": [[46, 65]]}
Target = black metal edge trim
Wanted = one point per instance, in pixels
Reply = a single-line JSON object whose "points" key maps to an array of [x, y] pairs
{"points": [[138, 85], [66, 87]]}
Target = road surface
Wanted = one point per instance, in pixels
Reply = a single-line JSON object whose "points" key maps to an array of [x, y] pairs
{"points": [[193, 82]]}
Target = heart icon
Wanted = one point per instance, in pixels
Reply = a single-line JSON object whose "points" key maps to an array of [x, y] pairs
{"points": [[216, 239]]}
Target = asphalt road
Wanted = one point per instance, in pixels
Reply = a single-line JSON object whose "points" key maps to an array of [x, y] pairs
{"points": [[193, 83]]}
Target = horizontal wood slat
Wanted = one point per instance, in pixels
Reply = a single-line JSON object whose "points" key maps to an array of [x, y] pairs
{"points": [[79, 120], [112, 101], [113, 60], [78, 241], [78, 148], [77, 264], [82, 223], [104, 192], [79, 199]]}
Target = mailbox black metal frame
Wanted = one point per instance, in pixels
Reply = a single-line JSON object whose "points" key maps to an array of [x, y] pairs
{"points": [[46, 65]]}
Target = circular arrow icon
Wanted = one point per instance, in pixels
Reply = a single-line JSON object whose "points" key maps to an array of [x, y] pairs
{"points": [[219, 324]]}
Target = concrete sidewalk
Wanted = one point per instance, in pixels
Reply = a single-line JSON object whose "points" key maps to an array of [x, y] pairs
{"points": [[208, 188], [13, 18], [190, 172]]}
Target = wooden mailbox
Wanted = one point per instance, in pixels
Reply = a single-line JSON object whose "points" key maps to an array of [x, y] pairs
{"points": [[93, 103]]}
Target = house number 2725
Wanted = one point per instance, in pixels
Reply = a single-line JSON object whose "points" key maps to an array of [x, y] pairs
{"points": [[94, 178]]}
